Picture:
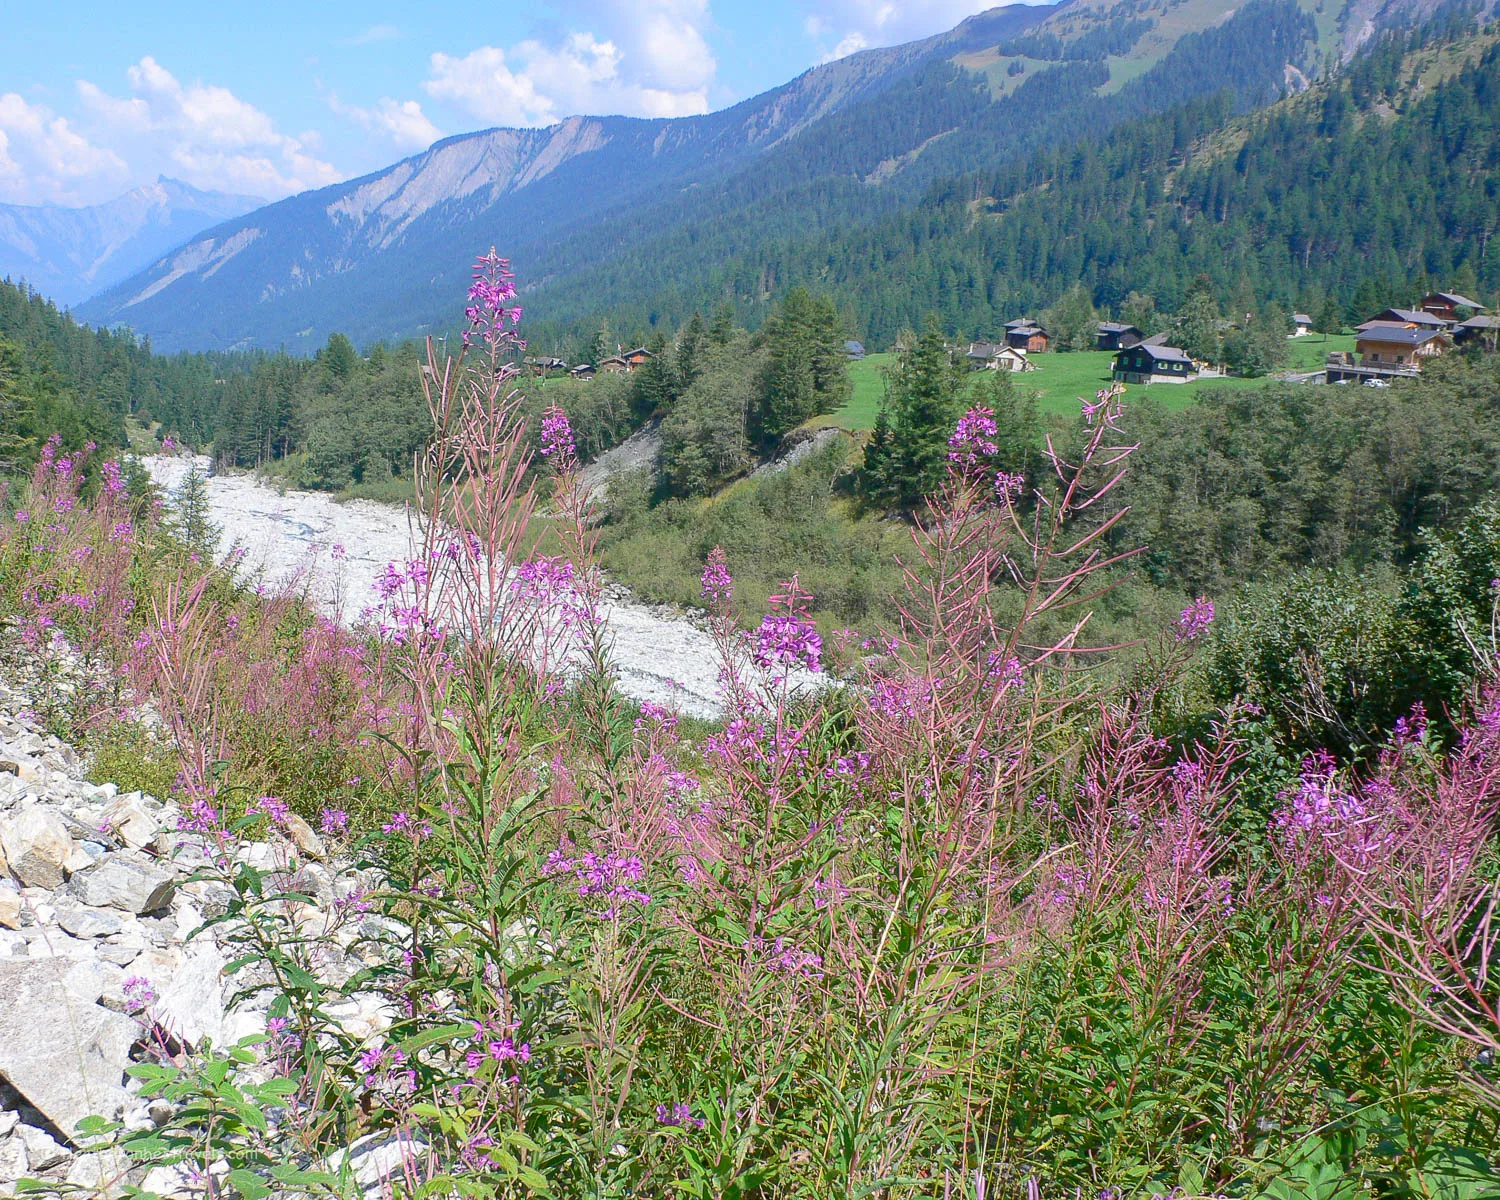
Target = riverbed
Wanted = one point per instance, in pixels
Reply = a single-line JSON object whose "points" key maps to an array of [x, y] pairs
{"points": [[340, 549]]}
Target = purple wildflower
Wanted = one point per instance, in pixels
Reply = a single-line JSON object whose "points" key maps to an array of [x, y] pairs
{"points": [[1195, 619], [717, 585]]}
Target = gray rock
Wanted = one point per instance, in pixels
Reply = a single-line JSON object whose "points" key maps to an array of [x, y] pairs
{"points": [[13, 1160], [102, 1174], [377, 1157], [42, 1148], [89, 922], [66, 1057], [119, 953], [8, 1122], [192, 1004], [127, 881], [36, 845], [129, 819], [90, 979], [10, 909]]}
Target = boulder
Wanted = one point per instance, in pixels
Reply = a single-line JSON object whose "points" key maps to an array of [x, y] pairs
{"points": [[13, 1160], [192, 1004], [42, 1148], [303, 837], [100, 1174], [36, 844], [90, 922], [125, 880], [129, 819], [66, 1057]]}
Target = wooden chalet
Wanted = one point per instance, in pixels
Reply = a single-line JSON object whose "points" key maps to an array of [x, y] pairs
{"points": [[1480, 328], [1302, 324], [1154, 364], [997, 356], [1389, 345], [583, 371], [544, 366], [1114, 335], [615, 364], [1025, 334], [853, 350], [1446, 305]]}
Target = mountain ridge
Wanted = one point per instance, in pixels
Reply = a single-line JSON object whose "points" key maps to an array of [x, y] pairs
{"points": [[382, 256], [70, 253]]}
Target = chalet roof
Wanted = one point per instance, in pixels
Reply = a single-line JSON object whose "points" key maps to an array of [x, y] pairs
{"points": [[1160, 353], [1457, 301], [853, 347], [1117, 327], [1410, 316], [638, 350], [985, 349], [1022, 323], [1301, 319], [1399, 335], [1156, 339], [1480, 322]]}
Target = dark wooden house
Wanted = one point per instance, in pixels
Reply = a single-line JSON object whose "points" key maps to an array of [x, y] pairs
{"points": [[1153, 364], [1113, 335]]}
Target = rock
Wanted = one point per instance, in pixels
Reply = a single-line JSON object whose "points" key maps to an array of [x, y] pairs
{"points": [[66, 1057], [136, 827], [36, 844], [78, 860], [376, 1157], [42, 1148], [89, 922], [126, 880], [90, 979], [10, 909], [192, 1004], [102, 1173], [121, 954], [172, 1182], [303, 837], [13, 1160], [8, 1122]]}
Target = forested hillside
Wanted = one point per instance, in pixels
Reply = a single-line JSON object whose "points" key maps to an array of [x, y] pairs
{"points": [[1359, 189]]}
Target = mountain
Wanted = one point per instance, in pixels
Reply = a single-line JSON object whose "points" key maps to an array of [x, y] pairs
{"points": [[638, 216], [68, 254], [1357, 191]]}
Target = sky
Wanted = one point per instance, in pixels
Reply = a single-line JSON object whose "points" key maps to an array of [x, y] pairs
{"points": [[271, 98]]}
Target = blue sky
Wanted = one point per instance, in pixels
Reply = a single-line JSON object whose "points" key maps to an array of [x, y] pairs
{"points": [[271, 98]]}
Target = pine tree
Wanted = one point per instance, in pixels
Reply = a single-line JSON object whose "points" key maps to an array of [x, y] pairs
{"points": [[925, 402]]}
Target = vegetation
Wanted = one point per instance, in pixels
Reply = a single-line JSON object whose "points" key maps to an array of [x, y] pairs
{"points": [[978, 923]]}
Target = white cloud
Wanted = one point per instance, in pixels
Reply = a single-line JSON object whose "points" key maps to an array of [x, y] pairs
{"points": [[401, 122], [202, 133], [376, 33], [43, 158], [647, 58]]}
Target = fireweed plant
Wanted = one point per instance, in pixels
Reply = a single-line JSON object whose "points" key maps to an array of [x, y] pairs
{"points": [[972, 924]]}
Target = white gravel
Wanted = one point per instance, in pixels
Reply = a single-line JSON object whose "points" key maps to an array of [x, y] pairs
{"points": [[342, 548]]}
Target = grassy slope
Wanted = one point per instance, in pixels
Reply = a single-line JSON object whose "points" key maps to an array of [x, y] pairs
{"points": [[1061, 380]]}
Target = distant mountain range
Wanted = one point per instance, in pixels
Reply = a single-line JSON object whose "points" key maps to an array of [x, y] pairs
{"points": [[635, 219], [68, 254]]}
